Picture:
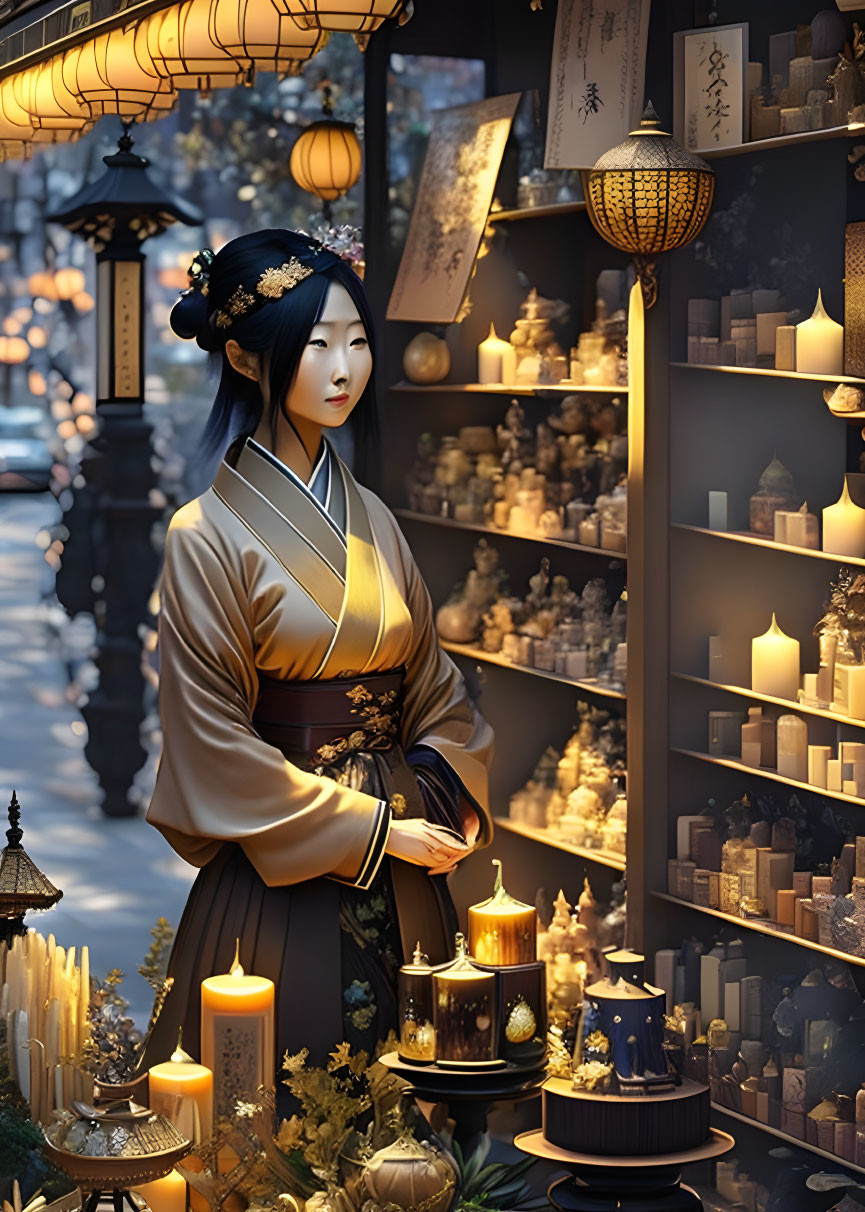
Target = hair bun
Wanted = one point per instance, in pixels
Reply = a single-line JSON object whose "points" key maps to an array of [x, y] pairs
{"points": [[188, 317]]}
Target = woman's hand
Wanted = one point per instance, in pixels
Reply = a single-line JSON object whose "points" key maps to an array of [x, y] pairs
{"points": [[425, 845]]}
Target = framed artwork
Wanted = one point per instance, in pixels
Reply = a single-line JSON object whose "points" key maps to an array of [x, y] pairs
{"points": [[596, 79], [709, 86], [450, 211]]}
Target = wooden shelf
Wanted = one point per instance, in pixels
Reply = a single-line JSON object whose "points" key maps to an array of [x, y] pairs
{"points": [[771, 775], [779, 141], [512, 214], [745, 693], [432, 519], [739, 536], [757, 926], [495, 658], [602, 857], [777, 374], [792, 1140], [502, 389]]}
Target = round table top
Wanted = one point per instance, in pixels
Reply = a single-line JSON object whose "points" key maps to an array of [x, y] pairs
{"points": [[508, 1082], [718, 1142]]}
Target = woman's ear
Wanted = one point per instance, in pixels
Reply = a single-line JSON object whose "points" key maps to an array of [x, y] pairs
{"points": [[243, 361]]}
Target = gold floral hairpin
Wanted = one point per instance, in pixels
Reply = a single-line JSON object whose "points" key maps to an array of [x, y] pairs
{"points": [[272, 284]]}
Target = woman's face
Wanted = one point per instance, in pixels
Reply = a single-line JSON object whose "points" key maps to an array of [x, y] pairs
{"points": [[334, 367]]}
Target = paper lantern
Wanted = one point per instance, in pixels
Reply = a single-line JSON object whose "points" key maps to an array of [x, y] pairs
{"points": [[42, 284], [114, 74], [326, 159], [179, 41], [47, 100], [13, 350], [355, 16], [649, 195], [69, 282], [261, 36]]}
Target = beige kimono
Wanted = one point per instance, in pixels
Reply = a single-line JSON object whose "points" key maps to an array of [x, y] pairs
{"points": [[265, 582]]}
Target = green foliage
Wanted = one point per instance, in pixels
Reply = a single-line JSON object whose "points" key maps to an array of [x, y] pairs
{"points": [[493, 1188], [155, 963]]}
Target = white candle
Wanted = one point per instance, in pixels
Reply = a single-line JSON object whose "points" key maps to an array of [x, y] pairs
{"points": [[775, 664], [491, 355], [856, 691], [792, 747], [844, 526], [819, 757], [820, 344]]}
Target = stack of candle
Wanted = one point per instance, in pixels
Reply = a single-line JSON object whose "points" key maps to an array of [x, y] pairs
{"points": [[45, 999]]}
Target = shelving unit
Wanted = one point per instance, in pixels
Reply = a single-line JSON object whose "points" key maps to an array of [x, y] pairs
{"points": [[603, 858], [745, 693], [732, 536], [513, 214], [760, 926], [428, 519], [771, 775], [719, 1109], [781, 141], [495, 658], [774, 374], [518, 389]]}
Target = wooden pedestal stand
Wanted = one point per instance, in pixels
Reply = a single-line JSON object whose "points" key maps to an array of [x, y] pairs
{"points": [[628, 1184], [469, 1093]]}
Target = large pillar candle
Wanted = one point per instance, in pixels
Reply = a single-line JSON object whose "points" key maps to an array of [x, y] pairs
{"points": [[792, 749], [856, 691], [775, 664], [493, 355], [820, 343], [166, 1194], [237, 1041], [182, 1091], [844, 526], [502, 930]]}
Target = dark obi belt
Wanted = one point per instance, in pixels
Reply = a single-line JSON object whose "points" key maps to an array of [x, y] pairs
{"points": [[319, 723]]}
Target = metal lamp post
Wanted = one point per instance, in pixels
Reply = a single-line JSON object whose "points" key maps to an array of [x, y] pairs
{"points": [[116, 214]]}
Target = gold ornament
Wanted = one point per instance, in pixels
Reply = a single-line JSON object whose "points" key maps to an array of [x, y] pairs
{"points": [[521, 1024], [410, 1174]]}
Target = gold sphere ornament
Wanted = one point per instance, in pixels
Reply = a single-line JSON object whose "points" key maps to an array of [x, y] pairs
{"points": [[426, 359], [326, 159], [648, 196]]}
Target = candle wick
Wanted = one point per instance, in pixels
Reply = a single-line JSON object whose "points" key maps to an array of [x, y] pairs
{"points": [[236, 970], [497, 863]]}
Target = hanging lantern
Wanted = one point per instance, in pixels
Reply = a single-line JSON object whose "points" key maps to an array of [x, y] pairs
{"points": [[261, 36], [42, 285], [13, 350], [113, 74], [648, 196], [355, 16], [326, 159], [49, 104], [180, 43], [16, 129], [69, 282]]}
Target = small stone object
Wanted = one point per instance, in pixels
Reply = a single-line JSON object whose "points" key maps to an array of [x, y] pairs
{"points": [[775, 490], [844, 398], [784, 835], [761, 834]]}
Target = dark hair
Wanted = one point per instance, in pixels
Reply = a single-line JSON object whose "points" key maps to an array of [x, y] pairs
{"points": [[277, 329]]}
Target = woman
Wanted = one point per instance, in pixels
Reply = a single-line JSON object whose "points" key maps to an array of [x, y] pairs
{"points": [[322, 763]]}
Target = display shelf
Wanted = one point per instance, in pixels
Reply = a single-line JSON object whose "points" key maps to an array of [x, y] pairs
{"points": [[739, 536], [602, 857], [512, 214], [779, 141], [502, 389], [495, 658], [757, 926], [745, 693], [771, 775], [785, 1136], [777, 374], [431, 519]]}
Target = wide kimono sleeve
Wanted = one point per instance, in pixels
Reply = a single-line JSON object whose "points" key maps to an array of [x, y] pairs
{"points": [[438, 712], [218, 781]]}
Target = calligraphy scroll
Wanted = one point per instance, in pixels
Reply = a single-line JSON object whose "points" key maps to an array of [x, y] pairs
{"points": [[450, 211], [709, 97], [596, 79]]}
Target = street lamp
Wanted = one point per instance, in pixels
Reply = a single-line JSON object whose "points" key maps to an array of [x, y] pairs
{"points": [[116, 214], [22, 885]]}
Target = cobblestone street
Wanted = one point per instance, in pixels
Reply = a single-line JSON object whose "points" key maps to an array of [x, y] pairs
{"points": [[118, 876]]}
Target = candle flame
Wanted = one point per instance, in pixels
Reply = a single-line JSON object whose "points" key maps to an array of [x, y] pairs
{"points": [[236, 970]]}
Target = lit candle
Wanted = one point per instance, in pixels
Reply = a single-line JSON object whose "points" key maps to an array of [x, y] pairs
{"points": [[165, 1194], [237, 1042], [415, 1001], [820, 343], [856, 691], [775, 664], [844, 526], [465, 1012], [503, 931], [491, 358], [182, 1091]]}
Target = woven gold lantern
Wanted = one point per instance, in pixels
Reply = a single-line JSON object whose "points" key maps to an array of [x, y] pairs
{"points": [[113, 74], [355, 16], [326, 159], [648, 196], [262, 36], [46, 99]]}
